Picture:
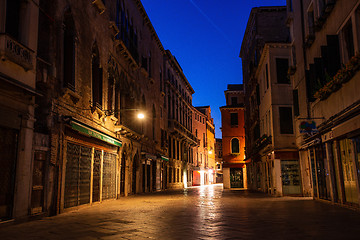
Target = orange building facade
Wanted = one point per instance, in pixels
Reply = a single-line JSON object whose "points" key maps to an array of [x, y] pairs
{"points": [[233, 138]]}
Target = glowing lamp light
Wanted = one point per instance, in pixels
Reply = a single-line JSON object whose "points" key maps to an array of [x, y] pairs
{"points": [[210, 151], [140, 116]]}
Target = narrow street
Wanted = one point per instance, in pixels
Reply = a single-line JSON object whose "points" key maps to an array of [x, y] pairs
{"points": [[196, 213]]}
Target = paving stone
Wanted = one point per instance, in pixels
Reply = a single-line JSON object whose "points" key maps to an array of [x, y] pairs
{"points": [[197, 213]]}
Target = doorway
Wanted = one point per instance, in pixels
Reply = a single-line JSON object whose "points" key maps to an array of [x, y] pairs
{"points": [[236, 178]]}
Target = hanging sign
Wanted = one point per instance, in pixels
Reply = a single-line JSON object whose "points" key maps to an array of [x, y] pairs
{"points": [[308, 127]]}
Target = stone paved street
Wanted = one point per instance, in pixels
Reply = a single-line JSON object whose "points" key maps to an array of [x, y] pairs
{"points": [[196, 213]]}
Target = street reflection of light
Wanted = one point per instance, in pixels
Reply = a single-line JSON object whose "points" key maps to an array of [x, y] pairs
{"points": [[185, 179], [208, 207]]}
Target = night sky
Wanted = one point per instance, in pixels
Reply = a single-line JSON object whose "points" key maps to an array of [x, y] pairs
{"points": [[205, 37]]}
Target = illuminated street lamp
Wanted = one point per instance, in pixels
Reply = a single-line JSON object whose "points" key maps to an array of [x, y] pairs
{"points": [[140, 115]]}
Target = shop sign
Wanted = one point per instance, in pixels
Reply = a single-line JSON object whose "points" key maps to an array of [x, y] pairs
{"points": [[308, 127], [164, 158], [327, 136], [93, 133]]}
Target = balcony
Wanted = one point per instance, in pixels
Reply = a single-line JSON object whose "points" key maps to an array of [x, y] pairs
{"points": [[12, 50], [180, 131], [126, 53]]}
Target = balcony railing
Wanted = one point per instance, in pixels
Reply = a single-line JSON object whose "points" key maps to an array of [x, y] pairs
{"points": [[175, 126], [12, 50]]}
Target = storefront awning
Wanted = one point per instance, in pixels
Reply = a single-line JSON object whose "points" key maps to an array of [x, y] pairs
{"points": [[83, 128]]}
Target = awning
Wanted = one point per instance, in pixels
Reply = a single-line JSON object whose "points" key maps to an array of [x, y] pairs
{"points": [[164, 158], [83, 128]]}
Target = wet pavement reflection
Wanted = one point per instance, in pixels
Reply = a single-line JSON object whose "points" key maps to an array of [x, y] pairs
{"points": [[206, 212]]}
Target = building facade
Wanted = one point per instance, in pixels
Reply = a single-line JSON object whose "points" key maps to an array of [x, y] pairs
{"points": [[279, 167], [204, 152], [181, 139], [233, 138], [71, 96], [270, 148], [19, 160], [325, 79]]}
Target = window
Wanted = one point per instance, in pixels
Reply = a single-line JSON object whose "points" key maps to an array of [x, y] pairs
{"points": [[69, 51], [286, 122], [161, 81], [150, 72], [348, 41], [290, 5], [12, 25], [321, 7], [153, 122], [97, 79], [311, 21], [234, 119], [110, 103], [234, 101], [282, 65], [144, 63], [235, 145]]}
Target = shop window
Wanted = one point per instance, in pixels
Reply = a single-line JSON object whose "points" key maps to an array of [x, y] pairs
{"points": [[347, 164], [282, 66], [286, 122], [235, 145]]}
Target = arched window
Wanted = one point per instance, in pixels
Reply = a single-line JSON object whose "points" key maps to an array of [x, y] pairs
{"points": [[97, 78], [235, 145], [69, 51], [153, 122]]}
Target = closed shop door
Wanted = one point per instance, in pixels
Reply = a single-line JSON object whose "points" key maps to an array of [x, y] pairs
{"points": [[38, 182], [347, 164], [77, 176], [96, 176], [322, 172], [8, 146], [109, 176], [122, 175]]}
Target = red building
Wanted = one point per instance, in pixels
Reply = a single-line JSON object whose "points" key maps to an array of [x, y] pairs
{"points": [[233, 138]]}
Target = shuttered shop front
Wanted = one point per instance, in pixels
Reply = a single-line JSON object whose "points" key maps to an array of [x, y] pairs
{"points": [[90, 170]]}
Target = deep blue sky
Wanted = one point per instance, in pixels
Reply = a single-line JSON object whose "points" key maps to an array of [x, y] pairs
{"points": [[205, 37]]}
